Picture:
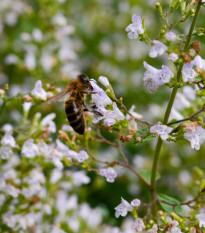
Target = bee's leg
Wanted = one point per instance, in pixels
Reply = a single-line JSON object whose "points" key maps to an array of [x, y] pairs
{"points": [[92, 109], [88, 92]]}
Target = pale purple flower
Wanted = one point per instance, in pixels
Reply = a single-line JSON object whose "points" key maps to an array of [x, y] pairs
{"points": [[80, 178], [100, 98], [49, 123], [82, 156], [38, 91], [104, 81], [27, 106], [158, 49], [135, 28], [57, 162], [138, 225], [188, 73], [7, 127], [175, 115], [133, 113], [153, 78], [173, 57], [161, 130], [135, 202], [194, 134], [170, 36], [67, 128], [175, 230], [122, 208], [112, 116], [189, 92], [56, 175], [154, 229], [8, 140], [29, 149], [199, 62], [5, 152], [44, 149], [201, 219], [181, 102], [109, 173], [62, 148]]}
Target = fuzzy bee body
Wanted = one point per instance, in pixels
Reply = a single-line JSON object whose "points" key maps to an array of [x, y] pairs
{"points": [[74, 95]]}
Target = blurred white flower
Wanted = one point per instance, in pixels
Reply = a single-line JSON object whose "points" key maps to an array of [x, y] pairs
{"points": [[59, 19], [161, 130], [11, 18], [5, 152], [57, 162], [189, 92], [67, 128], [49, 123], [44, 149], [38, 91], [123, 208], [11, 59], [30, 60], [175, 115], [158, 49], [47, 61], [135, 28], [80, 178], [181, 102], [138, 225], [173, 57], [82, 156], [29, 149], [154, 229], [201, 219], [55, 175], [194, 134], [170, 36], [109, 173], [104, 81], [27, 106], [8, 140], [199, 62], [153, 78], [37, 34], [188, 73]]}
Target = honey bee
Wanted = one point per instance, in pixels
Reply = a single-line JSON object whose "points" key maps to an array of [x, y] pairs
{"points": [[74, 96]]}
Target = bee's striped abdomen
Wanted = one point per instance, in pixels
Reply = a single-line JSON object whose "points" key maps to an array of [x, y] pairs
{"points": [[74, 114]]}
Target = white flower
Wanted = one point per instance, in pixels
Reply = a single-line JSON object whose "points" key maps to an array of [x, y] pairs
{"points": [[122, 208], [67, 128], [173, 57], [49, 123], [37, 34], [170, 36], [132, 127], [44, 149], [55, 175], [8, 140], [7, 127], [138, 225], [5, 152], [135, 202], [188, 73], [201, 219], [194, 134], [135, 28], [199, 62], [59, 19], [100, 98], [38, 91], [109, 173], [30, 60], [27, 106], [161, 130], [158, 49], [133, 113], [29, 149], [112, 116], [80, 178], [82, 156], [104, 81], [153, 78], [154, 229]]}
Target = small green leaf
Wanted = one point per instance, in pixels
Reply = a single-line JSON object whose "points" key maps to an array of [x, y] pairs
{"points": [[149, 138], [147, 175], [168, 208]]}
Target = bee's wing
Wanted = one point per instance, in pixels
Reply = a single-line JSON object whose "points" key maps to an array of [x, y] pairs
{"points": [[61, 96]]}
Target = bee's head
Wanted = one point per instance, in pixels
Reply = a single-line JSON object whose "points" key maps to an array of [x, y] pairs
{"points": [[85, 81]]}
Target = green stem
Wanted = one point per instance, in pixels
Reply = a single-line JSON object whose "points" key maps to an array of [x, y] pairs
{"points": [[168, 110]]}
